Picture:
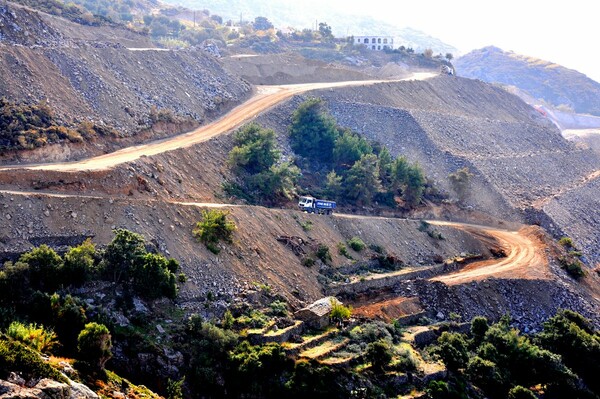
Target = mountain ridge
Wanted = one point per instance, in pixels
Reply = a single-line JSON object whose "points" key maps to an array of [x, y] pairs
{"points": [[555, 84]]}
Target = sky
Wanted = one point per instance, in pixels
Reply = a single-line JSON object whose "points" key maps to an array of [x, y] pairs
{"points": [[563, 32]]}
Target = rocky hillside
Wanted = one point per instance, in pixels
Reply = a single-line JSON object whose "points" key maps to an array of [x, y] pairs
{"points": [[520, 160], [541, 79], [87, 73]]}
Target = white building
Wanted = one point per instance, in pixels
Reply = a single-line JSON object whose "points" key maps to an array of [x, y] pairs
{"points": [[377, 42]]}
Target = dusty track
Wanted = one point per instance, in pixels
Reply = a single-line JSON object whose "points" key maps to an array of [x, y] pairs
{"points": [[265, 98], [525, 253], [525, 256]]}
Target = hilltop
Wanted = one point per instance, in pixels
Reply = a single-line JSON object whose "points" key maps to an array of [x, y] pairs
{"points": [[343, 23], [550, 82]]}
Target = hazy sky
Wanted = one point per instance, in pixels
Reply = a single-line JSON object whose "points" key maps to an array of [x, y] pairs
{"points": [[564, 32]]}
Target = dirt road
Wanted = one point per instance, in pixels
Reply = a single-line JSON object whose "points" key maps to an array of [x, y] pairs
{"points": [[266, 97], [525, 258]]}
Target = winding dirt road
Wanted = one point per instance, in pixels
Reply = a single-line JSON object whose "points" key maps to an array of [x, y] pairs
{"points": [[265, 98], [525, 257]]}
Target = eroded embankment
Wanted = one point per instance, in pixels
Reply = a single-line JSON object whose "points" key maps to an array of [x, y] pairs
{"points": [[255, 255]]}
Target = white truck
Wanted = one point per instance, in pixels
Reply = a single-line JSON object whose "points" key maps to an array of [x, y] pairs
{"points": [[312, 205]]}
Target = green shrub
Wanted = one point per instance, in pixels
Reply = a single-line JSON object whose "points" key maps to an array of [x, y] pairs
{"points": [[307, 225], [121, 254], [278, 308], [174, 388], [379, 353], [460, 182], [342, 250], [323, 253], [572, 265], [94, 344], [79, 263], [308, 261], [313, 131], [255, 150], [349, 147], [228, 320], [339, 312], [406, 361], [566, 242], [378, 249], [44, 268], [152, 278], [213, 228], [356, 244], [17, 357], [439, 390], [32, 335], [452, 349]]}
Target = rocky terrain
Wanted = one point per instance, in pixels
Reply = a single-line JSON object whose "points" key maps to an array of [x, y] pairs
{"points": [[524, 172], [89, 74], [519, 163]]}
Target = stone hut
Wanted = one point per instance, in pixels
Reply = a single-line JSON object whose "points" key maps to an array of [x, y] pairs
{"points": [[316, 315]]}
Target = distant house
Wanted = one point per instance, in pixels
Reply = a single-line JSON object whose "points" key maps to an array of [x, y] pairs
{"points": [[316, 315], [377, 42]]}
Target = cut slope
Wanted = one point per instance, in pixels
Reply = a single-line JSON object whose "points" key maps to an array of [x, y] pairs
{"points": [[87, 74]]}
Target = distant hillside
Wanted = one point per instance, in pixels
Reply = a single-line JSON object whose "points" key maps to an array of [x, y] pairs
{"points": [[294, 14], [541, 79]]}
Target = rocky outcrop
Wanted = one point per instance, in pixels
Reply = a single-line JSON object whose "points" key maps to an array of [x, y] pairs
{"points": [[45, 389]]}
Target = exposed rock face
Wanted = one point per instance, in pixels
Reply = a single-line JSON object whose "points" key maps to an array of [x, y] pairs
{"points": [[46, 389]]}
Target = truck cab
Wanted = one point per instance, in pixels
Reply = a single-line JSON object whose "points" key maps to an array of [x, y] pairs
{"points": [[306, 202]]}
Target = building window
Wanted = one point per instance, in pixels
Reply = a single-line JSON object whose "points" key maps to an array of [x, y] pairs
{"points": [[385, 47], [378, 47], [379, 40], [373, 40], [384, 41], [373, 47]]}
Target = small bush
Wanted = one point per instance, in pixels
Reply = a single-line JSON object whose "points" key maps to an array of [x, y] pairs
{"points": [[435, 234], [17, 357], [377, 249], [214, 227], [323, 253], [308, 262], [424, 225], [94, 345], [339, 312], [572, 265], [379, 353], [342, 250], [566, 242], [32, 335], [356, 244], [278, 308], [306, 226], [406, 361], [174, 389]]}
